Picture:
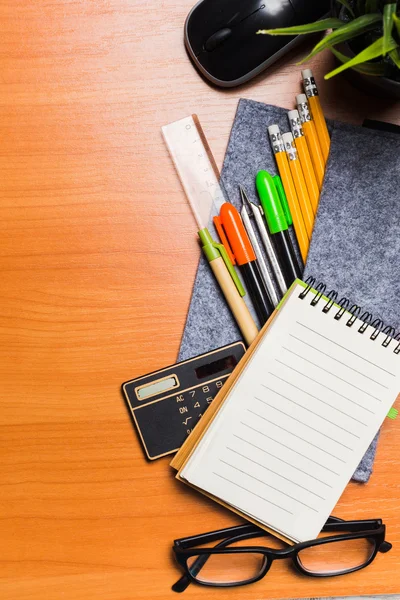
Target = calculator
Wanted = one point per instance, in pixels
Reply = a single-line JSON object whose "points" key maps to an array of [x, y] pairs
{"points": [[166, 404]]}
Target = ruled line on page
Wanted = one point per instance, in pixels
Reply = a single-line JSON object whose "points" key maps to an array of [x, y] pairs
{"points": [[268, 485], [281, 459], [253, 493], [310, 411], [295, 435], [275, 473], [330, 373], [316, 398], [287, 416], [325, 386], [289, 448], [344, 348], [338, 361]]}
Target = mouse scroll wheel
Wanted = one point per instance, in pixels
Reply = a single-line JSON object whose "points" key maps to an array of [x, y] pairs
{"points": [[217, 38]]}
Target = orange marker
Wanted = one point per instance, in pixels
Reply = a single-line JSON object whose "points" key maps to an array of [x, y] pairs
{"points": [[312, 138], [299, 183], [290, 190], [304, 157], [246, 260], [311, 91]]}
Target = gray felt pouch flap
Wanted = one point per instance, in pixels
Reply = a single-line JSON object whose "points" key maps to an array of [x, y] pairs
{"points": [[356, 240]]}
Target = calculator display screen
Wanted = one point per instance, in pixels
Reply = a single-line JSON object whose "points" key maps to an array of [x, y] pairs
{"points": [[213, 368], [157, 387]]}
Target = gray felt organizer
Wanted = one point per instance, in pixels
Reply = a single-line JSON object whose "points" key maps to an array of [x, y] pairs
{"points": [[355, 245]]}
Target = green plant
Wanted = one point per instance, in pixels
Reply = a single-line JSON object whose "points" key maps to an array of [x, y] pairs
{"points": [[370, 27]]}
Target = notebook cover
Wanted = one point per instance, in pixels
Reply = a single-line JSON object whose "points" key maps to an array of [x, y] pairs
{"points": [[356, 231]]}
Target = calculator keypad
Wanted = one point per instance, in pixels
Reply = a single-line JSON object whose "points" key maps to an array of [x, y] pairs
{"points": [[193, 403], [165, 423]]}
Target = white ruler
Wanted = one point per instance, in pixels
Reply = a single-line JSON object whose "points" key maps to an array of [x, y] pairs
{"points": [[196, 167]]}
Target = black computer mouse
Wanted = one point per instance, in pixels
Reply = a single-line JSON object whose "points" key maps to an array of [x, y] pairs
{"points": [[220, 35]]}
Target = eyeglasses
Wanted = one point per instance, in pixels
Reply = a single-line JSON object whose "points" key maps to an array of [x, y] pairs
{"points": [[231, 563]]}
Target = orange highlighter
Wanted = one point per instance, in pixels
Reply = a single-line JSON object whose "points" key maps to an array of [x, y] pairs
{"points": [[312, 138], [290, 190], [245, 258], [304, 157], [311, 90]]}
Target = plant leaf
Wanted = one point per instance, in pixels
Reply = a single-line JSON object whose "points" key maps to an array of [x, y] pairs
{"points": [[376, 69], [388, 11], [373, 51], [396, 21], [346, 4], [395, 56], [345, 32], [322, 25]]}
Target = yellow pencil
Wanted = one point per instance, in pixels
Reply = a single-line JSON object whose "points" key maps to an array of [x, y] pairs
{"points": [[290, 190], [299, 182], [312, 138], [311, 91], [304, 157]]}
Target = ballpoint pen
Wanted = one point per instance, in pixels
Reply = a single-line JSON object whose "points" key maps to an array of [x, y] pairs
{"points": [[311, 90], [229, 284], [304, 157], [310, 132], [265, 274], [277, 226], [290, 191], [246, 260], [258, 214], [299, 183]]}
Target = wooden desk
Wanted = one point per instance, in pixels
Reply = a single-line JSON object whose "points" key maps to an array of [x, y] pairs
{"points": [[98, 256]]}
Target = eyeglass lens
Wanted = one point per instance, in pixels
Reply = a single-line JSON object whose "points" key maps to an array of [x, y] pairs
{"points": [[227, 568], [336, 557]]}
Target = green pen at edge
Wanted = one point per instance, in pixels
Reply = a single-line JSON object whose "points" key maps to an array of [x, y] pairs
{"points": [[282, 197], [230, 284], [278, 226]]}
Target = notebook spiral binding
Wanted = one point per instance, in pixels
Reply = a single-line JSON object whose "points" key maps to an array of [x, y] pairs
{"points": [[354, 309]]}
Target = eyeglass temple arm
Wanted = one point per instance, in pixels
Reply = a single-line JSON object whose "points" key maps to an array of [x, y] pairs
{"points": [[351, 526], [212, 536]]}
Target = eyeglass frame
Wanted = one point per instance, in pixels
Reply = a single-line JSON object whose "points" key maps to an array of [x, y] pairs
{"points": [[184, 548]]}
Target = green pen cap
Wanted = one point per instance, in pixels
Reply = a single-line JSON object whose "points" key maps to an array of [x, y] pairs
{"points": [[282, 197], [270, 202], [213, 250], [208, 244]]}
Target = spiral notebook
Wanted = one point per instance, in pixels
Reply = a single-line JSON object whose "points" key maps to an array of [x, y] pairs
{"points": [[295, 418]]}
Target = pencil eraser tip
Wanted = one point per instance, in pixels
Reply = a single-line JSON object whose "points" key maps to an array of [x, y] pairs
{"points": [[293, 114], [306, 74], [301, 98], [273, 129], [287, 138]]}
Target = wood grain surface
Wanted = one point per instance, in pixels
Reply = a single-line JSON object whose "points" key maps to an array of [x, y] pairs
{"points": [[98, 255]]}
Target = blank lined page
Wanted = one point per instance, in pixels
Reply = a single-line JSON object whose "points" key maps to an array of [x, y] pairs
{"points": [[298, 420]]}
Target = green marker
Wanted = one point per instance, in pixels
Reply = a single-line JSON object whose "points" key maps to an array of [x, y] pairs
{"points": [[278, 226], [282, 197]]}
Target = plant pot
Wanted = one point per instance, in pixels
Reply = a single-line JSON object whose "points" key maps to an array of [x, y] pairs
{"points": [[382, 87]]}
